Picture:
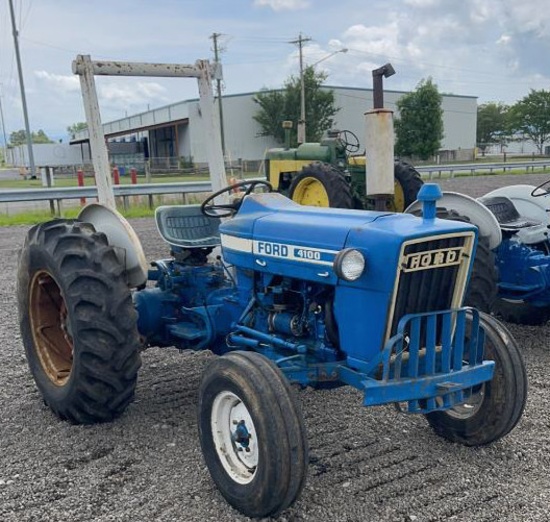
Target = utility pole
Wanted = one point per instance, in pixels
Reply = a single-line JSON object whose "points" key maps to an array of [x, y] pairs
{"points": [[3, 129], [302, 121], [215, 37], [22, 86]]}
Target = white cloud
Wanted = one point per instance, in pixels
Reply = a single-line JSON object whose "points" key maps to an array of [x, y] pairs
{"points": [[422, 3], [283, 5], [131, 94], [379, 41], [60, 82]]}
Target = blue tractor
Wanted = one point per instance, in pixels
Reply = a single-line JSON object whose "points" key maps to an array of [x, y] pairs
{"points": [[511, 273], [283, 294]]}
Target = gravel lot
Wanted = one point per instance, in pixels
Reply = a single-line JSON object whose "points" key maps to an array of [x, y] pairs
{"points": [[366, 463]]}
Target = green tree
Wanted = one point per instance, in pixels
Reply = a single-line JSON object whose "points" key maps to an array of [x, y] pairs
{"points": [[419, 128], [77, 127], [492, 124], [281, 105], [20, 137], [531, 117], [271, 114]]}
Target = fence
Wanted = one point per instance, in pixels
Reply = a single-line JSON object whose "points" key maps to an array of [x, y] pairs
{"points": [[481, 168], [190, 187]]}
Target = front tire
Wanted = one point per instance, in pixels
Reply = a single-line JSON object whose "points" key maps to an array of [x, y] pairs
{"points": [[77, 321], [252, 434], [496, 407], [321, 185]]}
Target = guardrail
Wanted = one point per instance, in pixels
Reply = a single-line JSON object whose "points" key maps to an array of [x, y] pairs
{"points": [[474, 168], [57, 194], [189, 187]]}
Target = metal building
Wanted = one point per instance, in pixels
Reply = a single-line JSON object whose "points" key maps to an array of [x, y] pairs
{"points": [[174, 133]]}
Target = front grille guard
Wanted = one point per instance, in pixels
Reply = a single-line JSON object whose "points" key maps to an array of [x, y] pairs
{"points": [[432, 363]]}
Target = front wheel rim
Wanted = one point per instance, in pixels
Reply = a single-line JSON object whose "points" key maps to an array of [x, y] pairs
{"points": [[234, 437], [469, 408], [50, 328]]}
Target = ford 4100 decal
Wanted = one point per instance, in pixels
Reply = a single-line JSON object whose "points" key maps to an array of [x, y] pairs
{"points": [[319, 256]]}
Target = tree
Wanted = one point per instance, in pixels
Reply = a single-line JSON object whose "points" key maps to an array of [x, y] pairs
{"points": [[419, 128], [77, 127], [492, 124], [531, 117], [20, 137], [281, 105]]}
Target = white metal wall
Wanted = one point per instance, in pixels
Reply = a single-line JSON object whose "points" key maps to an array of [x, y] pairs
{"points": [[241, 130], [242, 138]]}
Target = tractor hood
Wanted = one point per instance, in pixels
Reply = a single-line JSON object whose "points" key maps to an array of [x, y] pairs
{"points": [[273, 234]]}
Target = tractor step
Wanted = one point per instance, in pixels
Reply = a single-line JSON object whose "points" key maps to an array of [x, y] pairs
{"points": [[186, 331]]}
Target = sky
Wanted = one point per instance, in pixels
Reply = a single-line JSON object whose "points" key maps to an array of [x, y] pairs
{"points": [[496, 50]]}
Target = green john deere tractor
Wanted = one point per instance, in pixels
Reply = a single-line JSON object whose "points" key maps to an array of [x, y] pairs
{"points": [[329, 174]]}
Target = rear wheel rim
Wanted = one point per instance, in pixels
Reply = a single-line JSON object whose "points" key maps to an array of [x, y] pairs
{"points": [[399, 198], [239, 460], [50, 328], [310, 191]]}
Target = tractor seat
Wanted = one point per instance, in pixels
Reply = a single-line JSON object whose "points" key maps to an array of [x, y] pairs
{"points": [[185, 226], [507, 215]]}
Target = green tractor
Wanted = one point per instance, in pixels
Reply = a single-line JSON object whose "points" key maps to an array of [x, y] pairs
{"points": [[331, 174]]}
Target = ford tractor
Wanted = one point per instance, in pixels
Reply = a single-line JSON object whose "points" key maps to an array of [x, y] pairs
{"points": [[281, 293], [511, 273]]}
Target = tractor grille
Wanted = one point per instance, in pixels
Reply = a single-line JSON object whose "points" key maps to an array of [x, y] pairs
{"points": [[431, 276]]}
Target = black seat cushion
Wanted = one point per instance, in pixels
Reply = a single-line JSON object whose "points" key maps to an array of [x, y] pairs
{"points": [[507, 214]]}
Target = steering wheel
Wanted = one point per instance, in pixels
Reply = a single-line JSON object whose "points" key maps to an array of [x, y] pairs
{"points": [[349, 140], [229, 209], [543, 190]]}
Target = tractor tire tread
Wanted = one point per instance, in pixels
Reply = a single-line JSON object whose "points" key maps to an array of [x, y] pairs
{"points": [[410, 181], [337, 187], [277, 419], [106, 350]]}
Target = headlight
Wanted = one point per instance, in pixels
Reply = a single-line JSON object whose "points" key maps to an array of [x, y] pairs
{"points": [[349, 264]]}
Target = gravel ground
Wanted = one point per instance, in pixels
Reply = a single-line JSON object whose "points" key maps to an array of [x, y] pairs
{"points": [[366, 463]]}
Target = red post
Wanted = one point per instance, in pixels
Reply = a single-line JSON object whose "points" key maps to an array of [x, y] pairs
{"points": [[116, 176], [80, 177], [133, 176]]}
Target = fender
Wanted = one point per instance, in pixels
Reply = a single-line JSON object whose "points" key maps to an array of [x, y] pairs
{"points": [[120, 235], [477, 212], [536, 208]]}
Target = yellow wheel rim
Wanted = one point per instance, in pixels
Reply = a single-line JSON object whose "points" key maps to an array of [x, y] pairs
{"points": [[399, 198], [310, 191]]}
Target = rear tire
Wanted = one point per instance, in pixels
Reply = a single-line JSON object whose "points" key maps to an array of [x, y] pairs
{"points": [[78, 322], [252, 434], [483, 286], [482, 289], [500, 402], [407, 184], [321, 185]]}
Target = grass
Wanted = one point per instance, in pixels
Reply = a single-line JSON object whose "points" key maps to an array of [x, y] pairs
{"points": [[141, 210], [39, 216], [89, 182]]}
